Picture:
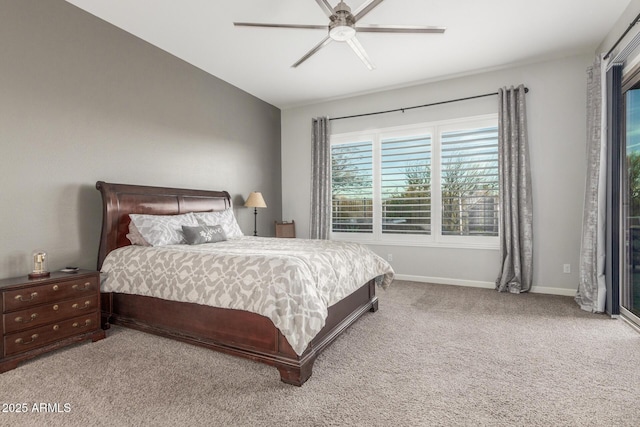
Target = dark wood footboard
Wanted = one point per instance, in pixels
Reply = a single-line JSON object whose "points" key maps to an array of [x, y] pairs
{"points": [[236, 332]]}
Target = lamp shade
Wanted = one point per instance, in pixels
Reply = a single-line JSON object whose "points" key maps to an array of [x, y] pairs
{"points": [[255, 200]]}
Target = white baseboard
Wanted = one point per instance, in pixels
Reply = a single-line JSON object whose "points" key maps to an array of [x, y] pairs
{"points": [[447, 281], [482, 284], [554, 291]]}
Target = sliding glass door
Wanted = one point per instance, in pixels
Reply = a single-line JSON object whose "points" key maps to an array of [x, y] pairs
{"points": [[630, 292]]}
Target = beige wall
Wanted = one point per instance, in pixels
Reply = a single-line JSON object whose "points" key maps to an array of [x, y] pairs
{"points": [[556, 112], [82, 101]]}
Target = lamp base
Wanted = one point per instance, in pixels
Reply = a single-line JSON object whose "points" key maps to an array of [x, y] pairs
{"points": [[39, 275], [255, 221]]}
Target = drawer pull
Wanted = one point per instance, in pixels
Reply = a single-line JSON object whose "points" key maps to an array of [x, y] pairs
{"points": [[86, 323], [31, 297], [23, 342], [56, 327], [56, 287], [55, 307], [20, 319], [87, 304], [84, 287]]}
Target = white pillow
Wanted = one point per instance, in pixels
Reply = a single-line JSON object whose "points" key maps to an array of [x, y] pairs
{"points": [[160, 230], [225, 218], [135, 237]]}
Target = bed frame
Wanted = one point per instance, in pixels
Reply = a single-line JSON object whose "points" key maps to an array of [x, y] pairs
{"points": [[235, 332]]}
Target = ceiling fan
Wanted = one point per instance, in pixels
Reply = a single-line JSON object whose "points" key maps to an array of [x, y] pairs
{"points": [[342, 28]]}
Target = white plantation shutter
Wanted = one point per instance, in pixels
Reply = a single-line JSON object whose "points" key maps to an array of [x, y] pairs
{"points": [[405, 176], [469, 182], [352, 190], [430, 184]]}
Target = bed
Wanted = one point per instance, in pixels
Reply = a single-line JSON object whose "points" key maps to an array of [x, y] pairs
{"points": [[230, 330]]}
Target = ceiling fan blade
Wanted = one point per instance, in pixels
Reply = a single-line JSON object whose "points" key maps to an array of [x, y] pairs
{"points": [[319, 46], [399, 29], [354, 43], [326, 7], [306, 27], [365, 8]]}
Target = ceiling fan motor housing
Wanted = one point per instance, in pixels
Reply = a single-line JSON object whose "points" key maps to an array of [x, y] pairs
{"points": [[342, 26]]}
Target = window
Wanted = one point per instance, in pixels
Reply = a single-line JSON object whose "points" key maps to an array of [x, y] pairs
{"points": [[435, 183], [469, 182], [352, 187], [405, 176]]}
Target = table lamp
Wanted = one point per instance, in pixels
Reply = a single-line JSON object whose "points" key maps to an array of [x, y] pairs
{"points": [[255, 201]]}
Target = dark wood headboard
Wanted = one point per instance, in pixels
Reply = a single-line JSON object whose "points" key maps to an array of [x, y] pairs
{"points": [[119, 200]]}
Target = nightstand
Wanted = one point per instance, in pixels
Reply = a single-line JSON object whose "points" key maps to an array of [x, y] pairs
{"points": [[41, 315]]}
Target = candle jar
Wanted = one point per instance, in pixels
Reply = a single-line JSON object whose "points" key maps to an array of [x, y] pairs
{"points": [[39, 264]]}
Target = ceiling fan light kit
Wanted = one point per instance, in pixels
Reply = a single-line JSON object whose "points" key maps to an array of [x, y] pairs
{"points": [[342, 28], [341, 33]]}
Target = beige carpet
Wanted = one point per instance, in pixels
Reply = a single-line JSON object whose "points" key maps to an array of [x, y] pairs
{"points": [[433, 355]]}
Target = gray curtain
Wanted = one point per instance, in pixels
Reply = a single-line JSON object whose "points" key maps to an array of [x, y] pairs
{"points": [[320, 179], [591, 294], [516, 219]]}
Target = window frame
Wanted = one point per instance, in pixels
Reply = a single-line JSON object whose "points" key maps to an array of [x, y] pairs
{"points": [[435, 238]]}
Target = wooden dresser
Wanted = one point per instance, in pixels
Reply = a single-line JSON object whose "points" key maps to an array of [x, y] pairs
{"points": [[40, 315]]}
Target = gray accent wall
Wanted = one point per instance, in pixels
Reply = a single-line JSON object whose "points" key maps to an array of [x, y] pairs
{"points": [[82, 101]]}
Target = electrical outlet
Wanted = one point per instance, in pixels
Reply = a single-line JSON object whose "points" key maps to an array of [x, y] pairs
{"points": [[566, 268], [389, 257]]}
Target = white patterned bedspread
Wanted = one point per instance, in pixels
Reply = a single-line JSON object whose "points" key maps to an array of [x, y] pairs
{"points": [[290, 281]]}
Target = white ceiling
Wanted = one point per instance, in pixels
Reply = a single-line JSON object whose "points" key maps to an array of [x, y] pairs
{"points": [[480, 35]]}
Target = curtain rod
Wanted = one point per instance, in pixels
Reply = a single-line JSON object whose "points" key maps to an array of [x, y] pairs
{"points": [[631, 25], [526, 90]]}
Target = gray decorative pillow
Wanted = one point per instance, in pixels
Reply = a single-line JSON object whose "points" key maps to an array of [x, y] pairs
{"points": [[160, 230], [203, 234], [224, 218]]}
